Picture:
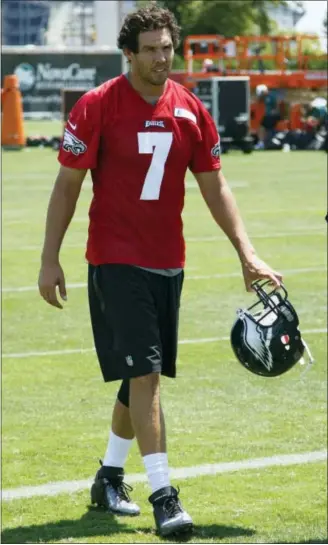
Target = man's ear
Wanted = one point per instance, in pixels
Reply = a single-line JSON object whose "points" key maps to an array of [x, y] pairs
{"points": [[128, 54]]}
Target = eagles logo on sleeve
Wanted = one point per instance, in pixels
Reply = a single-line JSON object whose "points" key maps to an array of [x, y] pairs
{"points": [[216, 150], [73, 144]]}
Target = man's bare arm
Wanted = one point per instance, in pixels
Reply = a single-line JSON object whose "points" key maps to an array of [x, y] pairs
{"points": [[61, 209], [224, 210]]}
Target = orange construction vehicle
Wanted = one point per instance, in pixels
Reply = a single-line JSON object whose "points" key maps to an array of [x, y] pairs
{"points": [[276, 61], [279, 62]]}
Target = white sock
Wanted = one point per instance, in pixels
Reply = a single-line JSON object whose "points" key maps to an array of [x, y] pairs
{"points": [[157, 469], [117, 450]]}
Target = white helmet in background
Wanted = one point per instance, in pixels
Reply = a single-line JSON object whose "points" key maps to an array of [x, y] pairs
{"points": [[261, 89], [319, 102], [207, 63]]}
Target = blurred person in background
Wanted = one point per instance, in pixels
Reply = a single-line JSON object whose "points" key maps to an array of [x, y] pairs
{"points": [[138, 133], [315, 125], [316, 115], [208, 66], [271, 115], [312, 134]]}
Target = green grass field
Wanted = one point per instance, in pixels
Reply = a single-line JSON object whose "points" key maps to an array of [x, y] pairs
{"points": [[56, 409]]}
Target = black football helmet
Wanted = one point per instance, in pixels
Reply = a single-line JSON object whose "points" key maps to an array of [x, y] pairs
{"points": [[265, 337]]}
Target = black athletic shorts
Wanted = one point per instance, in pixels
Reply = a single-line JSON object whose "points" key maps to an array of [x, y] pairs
{"points": [[269, 121], [134, 316]]}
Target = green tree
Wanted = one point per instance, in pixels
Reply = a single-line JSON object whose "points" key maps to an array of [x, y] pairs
{"points": [[230, 18], [226, 17]]}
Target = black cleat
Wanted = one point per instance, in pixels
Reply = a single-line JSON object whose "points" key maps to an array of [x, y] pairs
{"points": [[109, 491], [169, 515]]}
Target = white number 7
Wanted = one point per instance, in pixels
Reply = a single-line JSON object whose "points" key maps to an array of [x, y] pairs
{"points": [[162, 142]]}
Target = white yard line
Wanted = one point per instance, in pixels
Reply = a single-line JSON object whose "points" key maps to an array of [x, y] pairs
{"points": [[18, 355], [261, 212], [197, 277], [77, 285], [232, 184], [238, 274], [311, 231], [6, 219], [9, 186], [54, 489]]}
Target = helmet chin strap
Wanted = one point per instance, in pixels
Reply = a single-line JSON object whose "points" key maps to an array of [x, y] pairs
{"points": [[310, 359]]}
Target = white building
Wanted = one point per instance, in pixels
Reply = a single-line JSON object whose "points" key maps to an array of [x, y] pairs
{"points": [[109, 15], [86, 22]]}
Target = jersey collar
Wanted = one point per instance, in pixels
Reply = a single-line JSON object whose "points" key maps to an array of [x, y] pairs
{"points": [[140, 97]]}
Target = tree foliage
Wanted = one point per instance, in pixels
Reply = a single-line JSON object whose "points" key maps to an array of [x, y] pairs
{"points": [[229, 18], [226, 17]]}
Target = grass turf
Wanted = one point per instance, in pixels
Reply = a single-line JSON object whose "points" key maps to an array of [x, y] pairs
{"points": [[56, 410]]}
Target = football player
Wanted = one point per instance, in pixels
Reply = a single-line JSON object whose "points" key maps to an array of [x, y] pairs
{"points": [[138, 134]]}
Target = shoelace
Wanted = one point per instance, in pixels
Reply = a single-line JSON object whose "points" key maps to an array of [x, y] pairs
{"points": [[123, 491], [171, 506]]}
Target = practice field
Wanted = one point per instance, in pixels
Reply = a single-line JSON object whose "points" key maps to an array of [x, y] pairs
{"points": [[248, 453]]}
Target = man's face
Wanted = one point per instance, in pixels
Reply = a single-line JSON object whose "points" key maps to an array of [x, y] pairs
{"points": [[263, 96], [154, 59]]}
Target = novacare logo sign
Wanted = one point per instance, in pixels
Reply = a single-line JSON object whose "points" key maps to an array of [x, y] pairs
{"points": [[26, 76], [44, 76]]}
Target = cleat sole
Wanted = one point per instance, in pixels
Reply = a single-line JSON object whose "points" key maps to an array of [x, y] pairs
{"points": [[118, 514], [184, 529]]}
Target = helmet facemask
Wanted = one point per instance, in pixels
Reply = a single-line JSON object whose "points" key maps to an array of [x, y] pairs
{"points": [[265, 337]]}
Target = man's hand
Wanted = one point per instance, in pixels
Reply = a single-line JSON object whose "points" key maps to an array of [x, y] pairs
{"points": [[256, 269], [50, 277]]}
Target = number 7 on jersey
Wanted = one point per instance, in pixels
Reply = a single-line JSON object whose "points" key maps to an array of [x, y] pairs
{"points": [[159, 144]]}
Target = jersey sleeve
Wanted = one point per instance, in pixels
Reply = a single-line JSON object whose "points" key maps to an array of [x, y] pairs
{"points": [[206, 156], [80, 145]]}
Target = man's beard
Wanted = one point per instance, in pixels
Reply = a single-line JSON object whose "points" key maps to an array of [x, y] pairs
{"points": [[159, 78], [155, 78]]}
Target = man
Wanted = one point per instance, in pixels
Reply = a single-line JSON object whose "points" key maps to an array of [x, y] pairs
{"points": [[271, 115], [317, 114], [314, 126], [138, 134]]}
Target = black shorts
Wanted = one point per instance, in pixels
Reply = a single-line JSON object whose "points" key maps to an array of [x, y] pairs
{"points": [[270, 121], [134, 316]]}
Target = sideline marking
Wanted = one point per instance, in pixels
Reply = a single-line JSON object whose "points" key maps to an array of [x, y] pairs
{"points": [[311, 231], [19, 355], [197, 277], [53, 489]]}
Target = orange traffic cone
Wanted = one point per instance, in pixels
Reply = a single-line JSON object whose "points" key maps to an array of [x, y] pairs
{"points": [[12, 130]]}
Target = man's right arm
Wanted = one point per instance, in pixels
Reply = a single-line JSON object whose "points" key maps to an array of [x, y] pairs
{"points": [[61, 209], [78, 153]]}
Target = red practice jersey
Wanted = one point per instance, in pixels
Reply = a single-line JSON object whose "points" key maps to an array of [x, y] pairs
{"points": [[138, 154]]}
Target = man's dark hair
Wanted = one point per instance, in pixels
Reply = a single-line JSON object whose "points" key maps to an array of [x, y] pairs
{"points": [[150, 17]]}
